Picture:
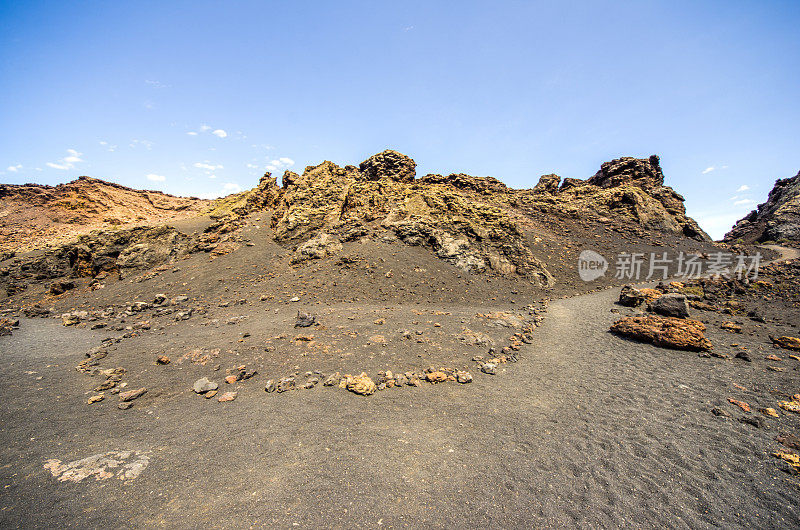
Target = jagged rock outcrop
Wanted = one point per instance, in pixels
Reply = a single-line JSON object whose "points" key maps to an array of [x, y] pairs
{"points": [[389, 164], [628, 189], [548, 184], [778, 219], [34, 216], [444, 214], [629, 171]]}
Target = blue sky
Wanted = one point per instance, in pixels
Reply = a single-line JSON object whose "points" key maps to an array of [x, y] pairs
{"points": [[200, 98]]}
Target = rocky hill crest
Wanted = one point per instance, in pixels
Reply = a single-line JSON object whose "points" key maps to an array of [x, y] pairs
{"points": [[778, 219]]}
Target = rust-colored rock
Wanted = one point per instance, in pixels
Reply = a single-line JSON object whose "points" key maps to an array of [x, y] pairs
{"points": [[436, 377], [731, 326], [361, 384], [665, 332], [787, 343], [741, 404]]}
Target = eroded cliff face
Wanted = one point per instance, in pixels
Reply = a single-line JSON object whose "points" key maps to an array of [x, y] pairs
{"points": [[778, 219]]}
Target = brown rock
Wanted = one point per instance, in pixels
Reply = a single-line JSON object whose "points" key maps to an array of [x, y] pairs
{"points": [[436, 377], [731, 326], [787, 343], [130, 395], [227, 396], [741, 404], [665, 332], [389, 164], [361, 384]]}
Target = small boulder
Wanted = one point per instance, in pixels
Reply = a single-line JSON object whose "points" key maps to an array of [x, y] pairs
{"points": [[130, 395], [304, 320], [332, 380], [787, 343], [670, 305], [630, 296], [203, 385], [361, 384]]}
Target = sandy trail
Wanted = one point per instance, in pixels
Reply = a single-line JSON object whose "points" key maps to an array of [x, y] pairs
{"points": [[586, 430], [786, 253]]}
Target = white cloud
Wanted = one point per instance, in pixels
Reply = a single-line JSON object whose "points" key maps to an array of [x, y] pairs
{"points": [[103, 143], [708, 169], [220, 133], [207, 166], [156, 178], [205, 127], [147, 144], [212, 176], [743, 187], [192, 133], [14, 169], [68, 162], [280, 163], [156, 84], [231, 187], [743, 202]]}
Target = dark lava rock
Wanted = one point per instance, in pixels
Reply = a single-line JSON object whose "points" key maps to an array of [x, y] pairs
{"points": [[670, 305], [716, 411], [755, 421], [389, 164], [304, 320], [60, 287], [630, 296]]}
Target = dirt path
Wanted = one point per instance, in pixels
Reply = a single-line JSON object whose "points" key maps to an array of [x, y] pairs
{"points": [[586, 430], [786, 253]]}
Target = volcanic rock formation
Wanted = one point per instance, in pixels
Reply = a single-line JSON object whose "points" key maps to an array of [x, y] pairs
{"points": [[778, 219], [628, 188], [477, 224]]}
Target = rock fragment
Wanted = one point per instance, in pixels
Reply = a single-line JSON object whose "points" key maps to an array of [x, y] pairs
{"points": [[130, 395], [227, 396], [203, 385]]}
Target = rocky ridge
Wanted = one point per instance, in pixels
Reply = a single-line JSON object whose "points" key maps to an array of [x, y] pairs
{"points": [[476, 224], [778, 219], [627, 189]]}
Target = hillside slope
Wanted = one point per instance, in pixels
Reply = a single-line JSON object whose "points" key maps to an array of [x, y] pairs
{"points": [[34, 216]]}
